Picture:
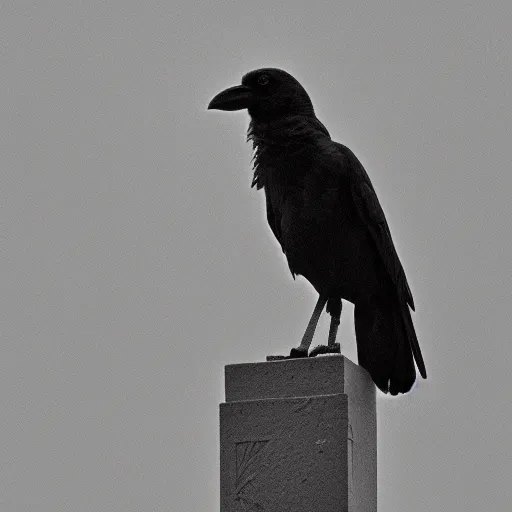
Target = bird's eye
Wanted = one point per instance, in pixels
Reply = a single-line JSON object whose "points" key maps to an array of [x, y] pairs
{"points": [[263, 80]]}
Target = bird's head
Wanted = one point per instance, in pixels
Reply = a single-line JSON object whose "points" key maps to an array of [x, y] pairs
{"points": [[267, 94]]}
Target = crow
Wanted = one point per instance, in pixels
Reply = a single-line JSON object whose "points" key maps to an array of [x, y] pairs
{"points": [[323, 210]]}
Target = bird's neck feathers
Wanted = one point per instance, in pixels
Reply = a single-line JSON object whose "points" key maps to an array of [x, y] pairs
{"points": [[281, 141], [286, 131]]}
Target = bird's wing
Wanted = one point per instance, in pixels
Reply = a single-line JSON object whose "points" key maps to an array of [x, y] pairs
{"points": [[274, 226], [372, 215]]}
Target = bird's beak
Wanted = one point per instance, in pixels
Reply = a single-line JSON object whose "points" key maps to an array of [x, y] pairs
{"points": [[234, 98]]}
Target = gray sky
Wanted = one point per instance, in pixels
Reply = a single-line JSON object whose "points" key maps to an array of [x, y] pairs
{"points": [[137, 262]]}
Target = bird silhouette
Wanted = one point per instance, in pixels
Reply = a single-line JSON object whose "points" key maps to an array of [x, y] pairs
{"points": [[323, 210]]}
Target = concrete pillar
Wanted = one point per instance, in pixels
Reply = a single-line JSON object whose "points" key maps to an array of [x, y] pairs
{"points": [[298, 435]]}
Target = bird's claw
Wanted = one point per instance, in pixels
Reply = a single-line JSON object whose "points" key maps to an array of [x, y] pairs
{"points": [[326, 349], [295, 353]]}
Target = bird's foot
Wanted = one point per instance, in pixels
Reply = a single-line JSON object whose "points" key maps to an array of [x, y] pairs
{"points": [[295, 353], [325, 349]]}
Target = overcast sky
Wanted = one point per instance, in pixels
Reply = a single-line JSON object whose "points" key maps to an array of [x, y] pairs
{"points": [[136, 260]]}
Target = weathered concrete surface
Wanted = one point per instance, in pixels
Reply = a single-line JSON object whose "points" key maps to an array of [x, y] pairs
{"points": [[284, 454], [298, 435]]}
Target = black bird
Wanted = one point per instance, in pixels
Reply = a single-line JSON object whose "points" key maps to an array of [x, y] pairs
{"points": [[323, 210]]}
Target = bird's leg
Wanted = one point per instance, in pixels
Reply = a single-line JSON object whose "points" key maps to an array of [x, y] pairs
{"points": [[333, 330], [302, 349], [332, 347]]}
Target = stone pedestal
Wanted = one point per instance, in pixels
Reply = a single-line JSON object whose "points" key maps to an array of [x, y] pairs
{"points": [[298, 435]]}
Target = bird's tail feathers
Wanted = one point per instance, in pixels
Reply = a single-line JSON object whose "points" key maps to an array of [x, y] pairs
{"points": [[413, 340], [386, 342]]}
